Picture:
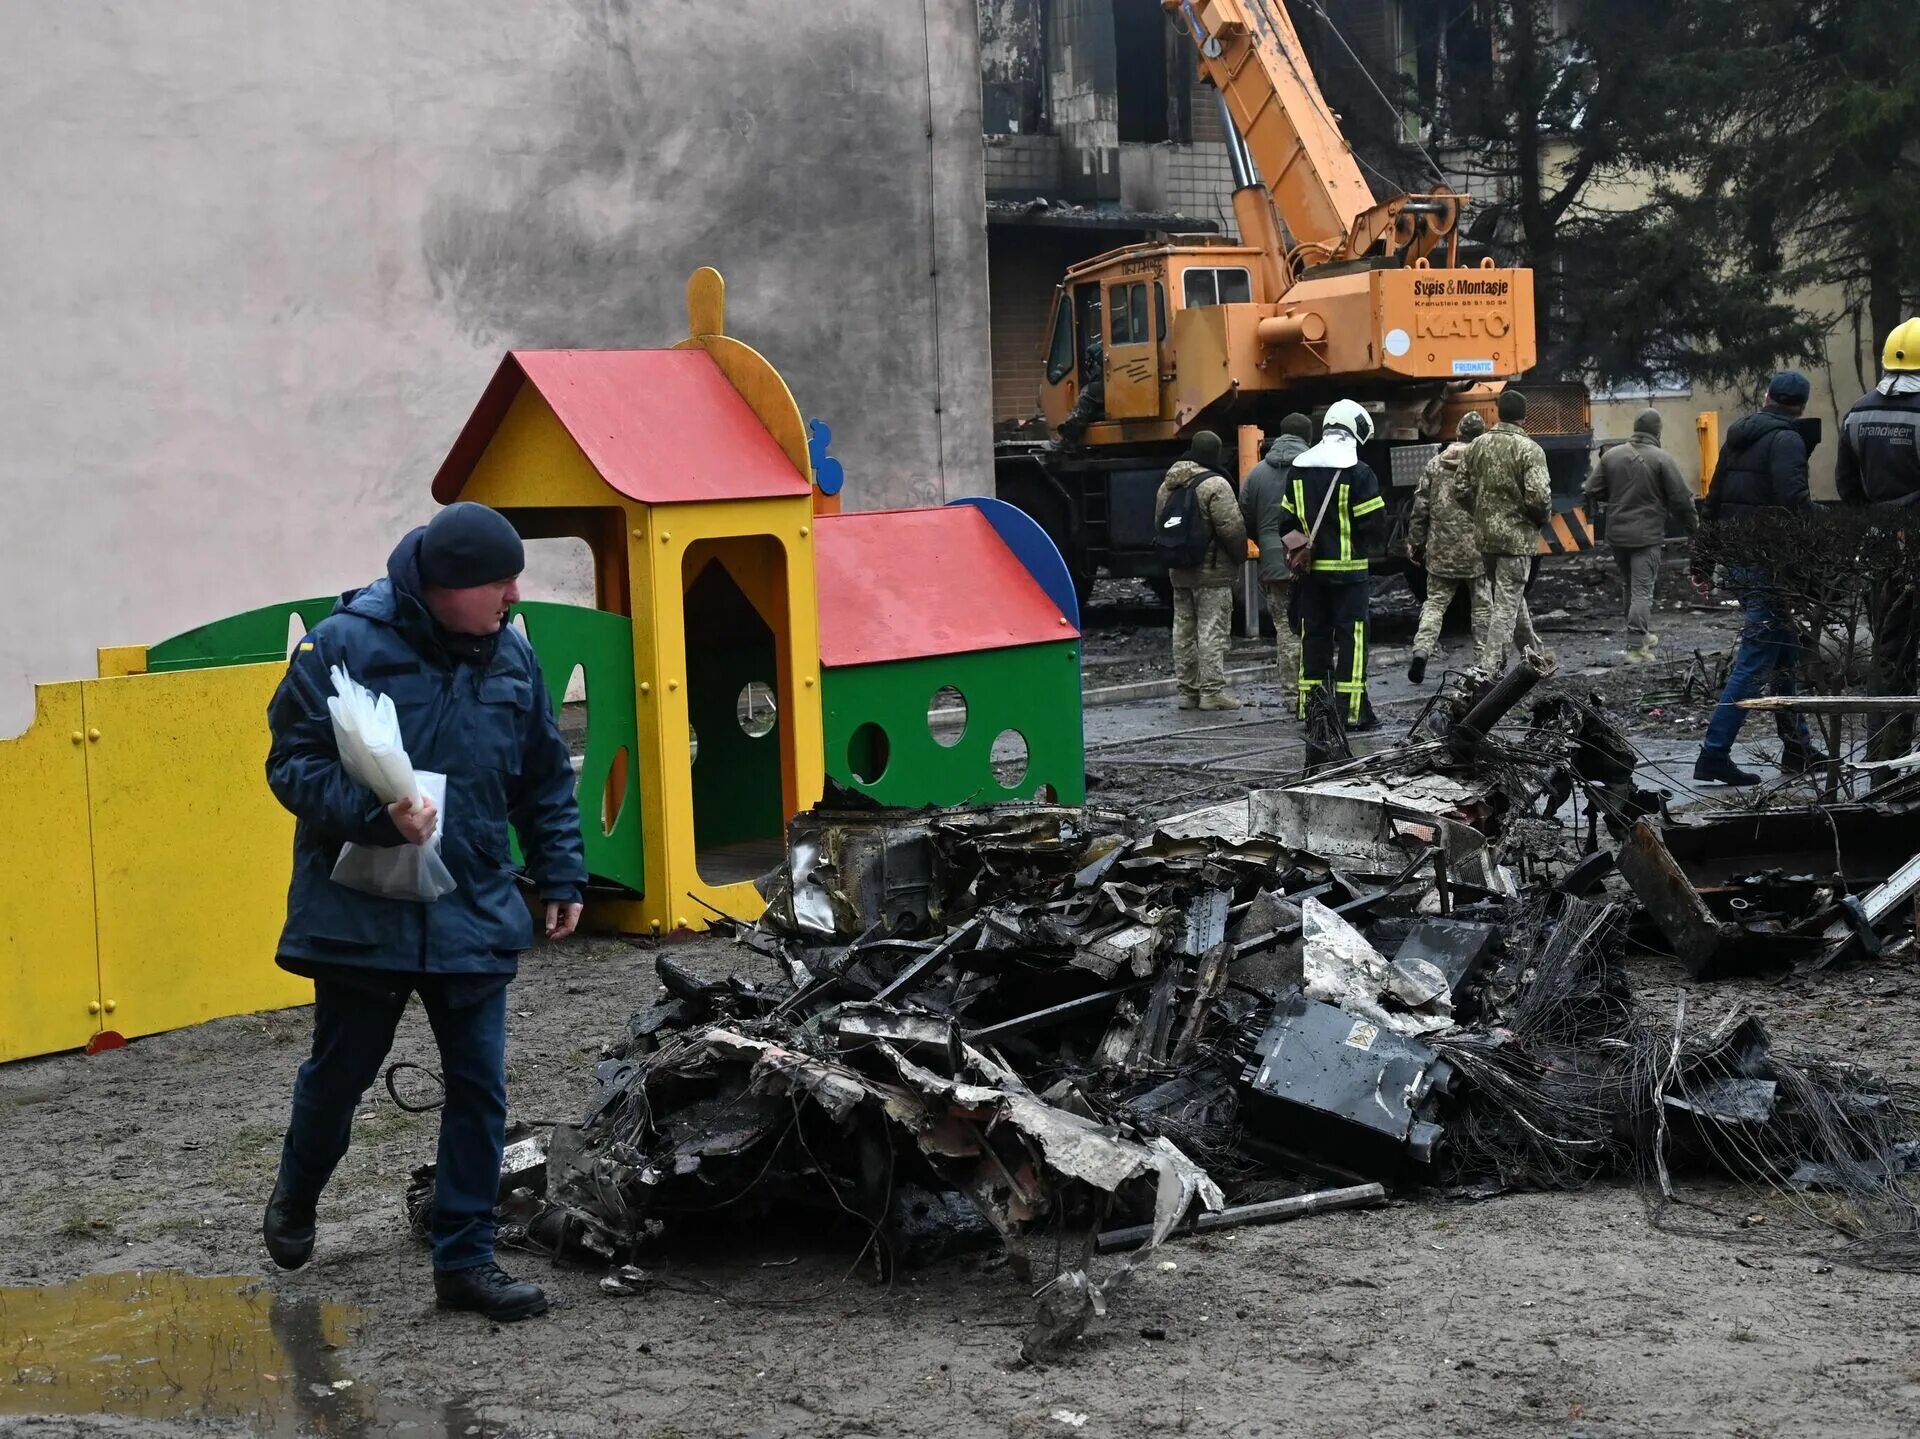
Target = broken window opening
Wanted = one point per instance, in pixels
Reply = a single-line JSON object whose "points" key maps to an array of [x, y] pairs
{"points": [[1141, 36]]}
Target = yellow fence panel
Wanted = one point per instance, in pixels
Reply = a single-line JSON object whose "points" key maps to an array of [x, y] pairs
{"points": [[49, 978], [191, 851]]}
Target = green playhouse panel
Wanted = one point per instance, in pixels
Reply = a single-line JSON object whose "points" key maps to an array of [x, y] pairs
{"points": [[881, 741], [600, 643]]}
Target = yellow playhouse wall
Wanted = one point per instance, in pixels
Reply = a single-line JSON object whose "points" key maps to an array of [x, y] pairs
{"points": [[533, 463], [191, 851], [658, 547], [48, 974], [145, 877]]}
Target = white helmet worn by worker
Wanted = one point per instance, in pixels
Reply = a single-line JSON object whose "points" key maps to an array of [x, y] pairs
{"points": [[1351, 416], [1346, 427]]}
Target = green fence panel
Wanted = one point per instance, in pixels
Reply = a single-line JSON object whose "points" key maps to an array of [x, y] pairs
{"points": [[881, 741], [253, 638]]}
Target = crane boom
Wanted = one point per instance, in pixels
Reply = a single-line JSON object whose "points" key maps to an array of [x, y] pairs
{"points": [[1252, 55]]}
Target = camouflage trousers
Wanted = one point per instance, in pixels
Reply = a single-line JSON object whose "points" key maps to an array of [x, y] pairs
{"points": [[1500, 615], [1286, 644], [1202, 629], [1440, 592]]}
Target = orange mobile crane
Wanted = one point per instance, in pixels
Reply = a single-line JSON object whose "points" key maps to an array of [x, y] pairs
{"points": [[1327, 294]]}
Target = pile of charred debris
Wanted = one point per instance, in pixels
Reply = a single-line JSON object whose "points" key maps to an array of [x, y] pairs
{"points": [[1031, 1026]]}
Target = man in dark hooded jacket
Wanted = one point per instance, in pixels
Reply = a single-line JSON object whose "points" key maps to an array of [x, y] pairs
{"points": [[1263, 500], [472, 705], [1760, 478]]}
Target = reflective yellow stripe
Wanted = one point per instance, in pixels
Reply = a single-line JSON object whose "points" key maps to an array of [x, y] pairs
{"points": [[1358, 683], [1300, 503], [1322, 567], [1305, 685], [1346, 523], [1367, 507]]}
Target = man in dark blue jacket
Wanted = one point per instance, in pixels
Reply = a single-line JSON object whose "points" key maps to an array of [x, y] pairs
{"points": [[1760, 478], [432, 635]]}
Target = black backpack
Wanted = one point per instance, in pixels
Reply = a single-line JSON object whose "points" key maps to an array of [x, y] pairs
{"points": [[1183, 537]]}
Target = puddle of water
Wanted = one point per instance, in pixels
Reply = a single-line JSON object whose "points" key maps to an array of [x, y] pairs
{"points": [[171, 1346]]}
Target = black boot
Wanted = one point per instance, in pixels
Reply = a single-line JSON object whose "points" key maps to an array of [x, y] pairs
{"points": [[1799, 758], [488, 1289], [1717, 767], [1417, 669], [288, 1228]]}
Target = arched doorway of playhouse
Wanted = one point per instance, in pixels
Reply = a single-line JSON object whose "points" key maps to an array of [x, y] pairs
{"points": [[742, 749]]}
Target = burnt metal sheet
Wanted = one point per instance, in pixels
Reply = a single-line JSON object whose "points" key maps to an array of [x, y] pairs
{"points": [[1707, 945], [1359, 1080], [1371, 836], [1455, 947]]}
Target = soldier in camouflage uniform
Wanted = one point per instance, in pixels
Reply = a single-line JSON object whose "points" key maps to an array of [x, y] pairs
{"points": [[1504, 482], [1203, 595], [1440, 540]]}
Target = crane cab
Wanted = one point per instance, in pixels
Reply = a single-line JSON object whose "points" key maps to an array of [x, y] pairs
{"points": [[1116, 318], [1179, 332]]}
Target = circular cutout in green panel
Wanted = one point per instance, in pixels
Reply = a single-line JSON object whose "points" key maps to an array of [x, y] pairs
{"points": [[756, 710], [867, 753], [693, 745], [1010, 758], [947, 716]]}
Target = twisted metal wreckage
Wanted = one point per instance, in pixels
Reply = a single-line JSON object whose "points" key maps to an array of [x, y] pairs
{"points": [[1027, 1023]]}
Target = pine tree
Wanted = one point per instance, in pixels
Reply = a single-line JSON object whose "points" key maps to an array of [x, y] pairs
{"points": [[1604, 129], [1824, 148]]}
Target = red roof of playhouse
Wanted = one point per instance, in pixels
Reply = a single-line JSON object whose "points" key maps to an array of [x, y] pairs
{"points": [[904, 584], [661, 426]]}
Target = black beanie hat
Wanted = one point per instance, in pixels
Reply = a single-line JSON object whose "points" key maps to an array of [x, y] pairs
{"points": [[1512, 406], [1298, 425], [1204, 447], [467, 545]]}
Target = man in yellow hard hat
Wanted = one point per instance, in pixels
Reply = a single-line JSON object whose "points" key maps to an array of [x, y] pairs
{"points": [[1879, 466]]}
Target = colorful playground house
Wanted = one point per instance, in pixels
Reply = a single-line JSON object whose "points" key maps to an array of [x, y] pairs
{"points": [[747, 644]]}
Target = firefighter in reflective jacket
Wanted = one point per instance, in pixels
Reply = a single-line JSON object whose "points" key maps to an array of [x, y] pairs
{"points": [[1879, 469], [1335, 499]]}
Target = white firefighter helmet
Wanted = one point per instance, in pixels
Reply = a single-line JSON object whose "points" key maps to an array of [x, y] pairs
{"points": [[1351, 416]]}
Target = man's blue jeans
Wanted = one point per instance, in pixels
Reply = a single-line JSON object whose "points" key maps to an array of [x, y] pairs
{"points": [[352, 1032], [1768, 655]]}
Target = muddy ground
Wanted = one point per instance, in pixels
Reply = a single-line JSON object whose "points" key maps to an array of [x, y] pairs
{"points": [[1590, 1313]]}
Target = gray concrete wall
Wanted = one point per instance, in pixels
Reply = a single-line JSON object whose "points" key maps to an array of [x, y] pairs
{"points": [[261, 258]]}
